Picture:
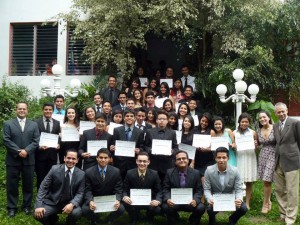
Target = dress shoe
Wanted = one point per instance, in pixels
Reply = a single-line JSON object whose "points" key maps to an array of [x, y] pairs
{"points": [[11, 213], [27, 210]]}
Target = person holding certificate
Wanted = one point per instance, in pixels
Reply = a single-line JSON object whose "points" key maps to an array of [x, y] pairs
{"points": [[183, 177], [102, 180], [97, 133], [161, 162], [142, 178], [129, 133], [46, 157], [164, 93], [223, 178]]}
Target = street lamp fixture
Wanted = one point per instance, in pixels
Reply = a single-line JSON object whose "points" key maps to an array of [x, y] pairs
{"points": [[239, 97], [47, 90]]}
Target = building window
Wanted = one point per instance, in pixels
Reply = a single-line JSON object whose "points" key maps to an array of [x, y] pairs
{"points": [[34, 49]]}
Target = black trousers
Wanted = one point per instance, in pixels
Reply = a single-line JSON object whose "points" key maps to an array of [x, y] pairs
{"points": [[134, 210], [41, 169]]}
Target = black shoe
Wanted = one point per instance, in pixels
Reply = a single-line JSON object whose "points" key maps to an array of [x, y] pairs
{"points": [[27, 210], [11, 213]]}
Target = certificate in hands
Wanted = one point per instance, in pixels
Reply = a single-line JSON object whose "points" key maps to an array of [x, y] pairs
{"points": [[49, 140], [217, 142], [105, 203], [191, 150], [161, 147], [201, 141], [244, 142], [125, 148], [94, 146], [224, 202], [86, 125], [182, 196], [143, 80], [178, 136], [69, 134], [140, 196]]}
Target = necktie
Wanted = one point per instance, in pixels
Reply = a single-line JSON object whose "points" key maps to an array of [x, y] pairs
{"points": [[182, 180], [98, 109], [22, 125], [280, 127], [66, 188], [141, 127], [128, 134], [102, 175], [59, 112], [111, 96], [185, 83], [142, 178], [48, 126]]}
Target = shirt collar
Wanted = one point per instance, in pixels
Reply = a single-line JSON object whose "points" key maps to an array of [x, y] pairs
{"points": [[71, 170], [140, 173], [184, 172], [143, 124], [100, 169], [126, 127], [19, 119], [44, 119]]}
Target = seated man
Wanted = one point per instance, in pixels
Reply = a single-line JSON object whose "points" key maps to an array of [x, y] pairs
{"points": [[57, 194], [182, 176], [142, 178], [101, 180], [214, 182]]}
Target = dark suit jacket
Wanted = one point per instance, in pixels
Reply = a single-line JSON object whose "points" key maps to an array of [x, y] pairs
{"points": [[118, 107], [192, 181], [105, 95], [90, 135], [50, 153], [287, 150], [14, 140], [50, 190], [155, 108], [160, 162], [95, 187], [151, 181]]}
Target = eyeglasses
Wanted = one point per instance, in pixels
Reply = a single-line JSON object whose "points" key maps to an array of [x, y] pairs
{"points": [[179, 159]]}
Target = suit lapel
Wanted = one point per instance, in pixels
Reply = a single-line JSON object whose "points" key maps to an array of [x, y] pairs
{"points": [[285, 128], [134, 133], [17, 124]]}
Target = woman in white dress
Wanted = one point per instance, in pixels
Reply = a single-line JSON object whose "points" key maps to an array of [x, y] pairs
{"points": [[246, 159]]}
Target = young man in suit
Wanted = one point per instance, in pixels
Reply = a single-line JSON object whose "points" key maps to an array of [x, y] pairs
{"points": [[97, 133], [61, 191], [102, 180], [110, 94], [46, 157], [161, 163], [186, 78], [128, 132], [287, 159], [223, 178], [140, 120], [59, 102], [182, 176], [21, 138], [142, 178], [122, 97], [98, 102]]}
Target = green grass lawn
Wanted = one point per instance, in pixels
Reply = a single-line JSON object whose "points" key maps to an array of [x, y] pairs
{"points": [[252, 217]]}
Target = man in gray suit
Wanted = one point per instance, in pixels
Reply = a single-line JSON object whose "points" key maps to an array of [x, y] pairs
{"points": [[287, 158], [21, 138], [61, 191], [222, 178]]}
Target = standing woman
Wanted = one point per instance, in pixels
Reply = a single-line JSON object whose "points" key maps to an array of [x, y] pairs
{"points": [[89, 114], [151, 117], [168, 106], [164, 92], [183, 111], [153, 86], [246, 160], [187, 130], [138, 99], [71, 120], [177, 91], [173, 121], [266, 159], [135, 85]]}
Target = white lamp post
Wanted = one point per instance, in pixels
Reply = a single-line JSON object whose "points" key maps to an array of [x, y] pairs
{"points": [[239, 97], [56, 90]]}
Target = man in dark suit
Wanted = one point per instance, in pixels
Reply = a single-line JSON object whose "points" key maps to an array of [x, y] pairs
{"points": [[182, 176], [46, 157], [98, 102], [128, 132], [223, 178], [140, 120], [161, 163], [150, 101], [287, 159], [61, 191], [142, 178], [122, 97], [97, 133], [21, 138], [102, 180], [110, 94]]}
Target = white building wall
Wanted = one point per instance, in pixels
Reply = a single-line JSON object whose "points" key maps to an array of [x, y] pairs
{"points": [[33, 11]]}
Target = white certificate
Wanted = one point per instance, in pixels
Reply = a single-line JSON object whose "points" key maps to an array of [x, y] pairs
{"points": [[196, 120], [180, 122], [168, 81], [140, 196], [161, 147], [178, 136], [224, 202], [86, 125], [69, 134], [112, 126], [159, 102], [182, 196], [125, 148], [143, 80], [105, 203], [49, 140], [94, 146], [201, 141], [59, 117], [217, 142], [244, 142], [191, 150]]}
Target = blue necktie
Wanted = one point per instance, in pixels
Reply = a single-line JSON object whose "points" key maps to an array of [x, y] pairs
{"points": [[128, 134]]}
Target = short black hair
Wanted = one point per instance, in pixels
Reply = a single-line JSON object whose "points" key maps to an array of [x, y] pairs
{"points": [[148, 93], [101, 116], [105, 151], [59, 96], [129, 111], [97, 94], [48, 104], [71, 150], [181, 151], [143, 153], [222, 149]]}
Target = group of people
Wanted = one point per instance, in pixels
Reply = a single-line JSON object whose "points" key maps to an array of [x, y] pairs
{"points": [[69, 177]]}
